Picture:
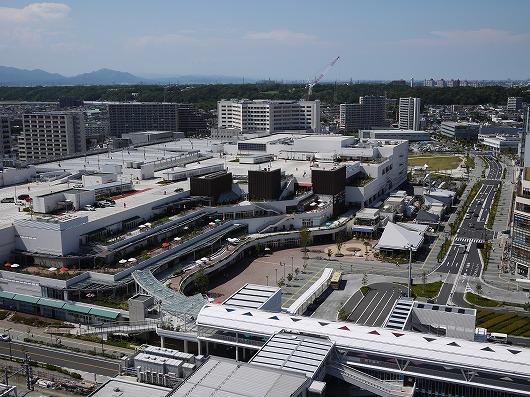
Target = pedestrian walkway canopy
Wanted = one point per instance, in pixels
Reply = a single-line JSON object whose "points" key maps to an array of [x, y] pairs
{"points": [[172, 302]]}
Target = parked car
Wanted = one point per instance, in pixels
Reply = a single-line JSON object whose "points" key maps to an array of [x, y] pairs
{"points": [[5, 338], [7, 200], [23, 196], [89, 208]]}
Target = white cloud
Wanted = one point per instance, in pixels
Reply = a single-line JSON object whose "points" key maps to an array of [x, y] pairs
{"points": [[35, 25], [478, 37], [284, 36], [34, 12]]}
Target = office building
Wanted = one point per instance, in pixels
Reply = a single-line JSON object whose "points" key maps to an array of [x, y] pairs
{"points": [[264, 184], [369, 112], [409, 113], [5, 137], [514, 104], [145, 116], [51, 135], [267, 115], [460, 131]]}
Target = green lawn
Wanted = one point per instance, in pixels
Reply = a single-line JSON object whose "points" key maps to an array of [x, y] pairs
{"points": [[506, 323], [480, 300], [436, 162], [429, 290]]}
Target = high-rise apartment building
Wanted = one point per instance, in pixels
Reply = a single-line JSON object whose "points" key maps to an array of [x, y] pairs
{"points": [[369, 112], [5, 137], [409, 113], [267, 115], [514, 104], [154, 116], [51, 135]]}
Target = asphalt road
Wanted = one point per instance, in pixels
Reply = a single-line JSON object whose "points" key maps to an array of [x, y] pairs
{"points": [[375, 307], [62, 358], [463, 256]]}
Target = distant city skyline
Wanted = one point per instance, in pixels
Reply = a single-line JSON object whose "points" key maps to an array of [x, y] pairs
{"points": [[287, 40]]}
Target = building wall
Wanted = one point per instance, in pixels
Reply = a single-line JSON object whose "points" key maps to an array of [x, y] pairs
{"points": [[369, 112], [51, 135], [409, 113], [135, 117], [264, 185], [269, 116]]}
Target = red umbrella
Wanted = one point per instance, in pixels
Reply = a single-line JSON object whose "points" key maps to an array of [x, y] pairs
{"points": [[165, 244], [63, 269], [7, 264]]}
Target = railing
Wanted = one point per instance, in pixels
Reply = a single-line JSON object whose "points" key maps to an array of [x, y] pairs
{"points": [[368, 382], [120, 327]]}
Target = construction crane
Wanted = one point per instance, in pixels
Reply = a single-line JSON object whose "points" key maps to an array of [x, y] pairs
{"points": [[311, 83]]}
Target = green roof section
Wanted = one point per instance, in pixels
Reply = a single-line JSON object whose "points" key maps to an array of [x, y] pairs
{"points": [[26, 298], [6, 295], [104, 313], [54, 303], [76, 308]]}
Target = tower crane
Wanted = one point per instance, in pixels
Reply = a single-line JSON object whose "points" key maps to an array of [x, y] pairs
{"points": [[311, 83]]}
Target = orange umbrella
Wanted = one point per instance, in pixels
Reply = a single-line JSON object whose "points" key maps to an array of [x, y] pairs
{"points": [[63, 269]]}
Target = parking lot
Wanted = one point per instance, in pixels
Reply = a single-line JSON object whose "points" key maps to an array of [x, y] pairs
{"points": [[375, 306]]}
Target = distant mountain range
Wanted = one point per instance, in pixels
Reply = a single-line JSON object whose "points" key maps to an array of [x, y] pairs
{"points": [[10, 76]]}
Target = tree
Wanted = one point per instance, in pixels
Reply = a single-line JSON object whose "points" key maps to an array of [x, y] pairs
{"points": [[290, 277], [201, 281], [479, 288], [305, 238], [342, 315], [366, 245], [339, 241], [330, 252], [281, 282], [364, 280], [297, 271]]}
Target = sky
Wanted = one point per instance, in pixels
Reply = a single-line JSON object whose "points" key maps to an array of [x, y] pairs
{"points": [[277, 39]]}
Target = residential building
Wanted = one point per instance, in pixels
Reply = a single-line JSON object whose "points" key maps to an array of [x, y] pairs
{"points": [[460, 131], [514, 104], [429, 83], [440, 83], [409, 113], [267, 115], [155, 116], [51, 135], [369, 112], [5, 137]]}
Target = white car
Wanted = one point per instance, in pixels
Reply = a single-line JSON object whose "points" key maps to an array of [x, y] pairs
{"points": [[89, 208]]}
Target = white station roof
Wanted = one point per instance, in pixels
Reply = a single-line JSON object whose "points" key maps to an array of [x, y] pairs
{"points": [[409, 345]]}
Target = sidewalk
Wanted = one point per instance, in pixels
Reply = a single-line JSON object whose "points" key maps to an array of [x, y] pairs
{"points": [[20, 331]]}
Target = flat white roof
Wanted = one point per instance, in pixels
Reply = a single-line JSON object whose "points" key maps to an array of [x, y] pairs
{"points": [[123, 387], [252, 296], [219, 377]]}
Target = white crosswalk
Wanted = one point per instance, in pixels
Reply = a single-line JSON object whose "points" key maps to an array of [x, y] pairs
{"points": [[468, 240]]}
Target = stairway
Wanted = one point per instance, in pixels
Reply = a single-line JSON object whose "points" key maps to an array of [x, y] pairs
{"points": [[367, 382]]}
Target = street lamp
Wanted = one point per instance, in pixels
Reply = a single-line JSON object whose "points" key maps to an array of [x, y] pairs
{"points": [[267, 280], [409, 246], [283, 265], [292, 264], [276, 275]]}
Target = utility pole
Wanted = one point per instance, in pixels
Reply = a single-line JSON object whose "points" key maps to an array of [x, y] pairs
{"points": [[29, 373], [410, 271]]}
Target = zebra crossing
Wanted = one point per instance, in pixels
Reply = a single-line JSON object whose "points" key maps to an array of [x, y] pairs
{"points": [[468, 240]]}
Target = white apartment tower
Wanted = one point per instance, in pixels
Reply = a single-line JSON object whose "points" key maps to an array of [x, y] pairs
{"points": [[51, 135], [409, 114], [267, 115]]}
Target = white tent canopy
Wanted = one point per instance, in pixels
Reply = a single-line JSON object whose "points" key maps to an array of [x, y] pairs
{"points": [[399, 237]]}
